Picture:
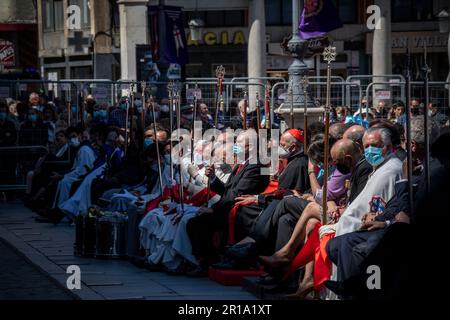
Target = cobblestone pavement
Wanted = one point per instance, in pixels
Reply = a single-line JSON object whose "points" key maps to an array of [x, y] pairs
{"points": [[19, 279], [50, 249]]}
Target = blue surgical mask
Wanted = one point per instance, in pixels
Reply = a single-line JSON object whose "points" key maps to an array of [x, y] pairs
{"points": [[123, 106], [32, 117], [74, 109], [237, 149], [374, 156], [321, 171], [167, 158], [100, 114], [2, 116], [154, 166], [148, 142]]}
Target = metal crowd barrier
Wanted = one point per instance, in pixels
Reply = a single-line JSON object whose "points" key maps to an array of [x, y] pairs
{"points": [[16, 162]]}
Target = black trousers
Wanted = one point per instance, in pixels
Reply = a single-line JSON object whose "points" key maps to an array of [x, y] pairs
{"points": [[201, 230], [276, 223], [348, 251]]}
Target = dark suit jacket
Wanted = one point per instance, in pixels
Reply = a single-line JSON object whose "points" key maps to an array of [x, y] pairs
{"points": [[359, 178], [247, 181]]}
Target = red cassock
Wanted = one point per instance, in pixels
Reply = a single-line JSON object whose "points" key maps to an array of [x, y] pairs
{"points": [[197, 200], [314, 249]]}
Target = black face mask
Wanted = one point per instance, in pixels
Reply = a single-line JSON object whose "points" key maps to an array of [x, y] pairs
{"points": [[342, 168]]}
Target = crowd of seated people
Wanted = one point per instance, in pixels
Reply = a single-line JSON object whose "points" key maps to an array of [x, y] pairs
{"points": [[217, 202]]}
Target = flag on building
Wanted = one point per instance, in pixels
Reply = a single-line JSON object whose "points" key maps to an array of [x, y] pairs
{"points": [[167, 33], [318, 18]]}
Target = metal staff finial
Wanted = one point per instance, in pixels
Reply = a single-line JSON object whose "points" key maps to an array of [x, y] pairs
{"points": [[220, 72], [329, 55]]}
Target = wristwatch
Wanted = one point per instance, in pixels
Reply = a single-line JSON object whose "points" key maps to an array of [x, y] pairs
{"points": [[310, 171]]}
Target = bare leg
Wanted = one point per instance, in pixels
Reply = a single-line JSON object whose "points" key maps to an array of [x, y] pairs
{"points": [[306, 285], [286, 254]]}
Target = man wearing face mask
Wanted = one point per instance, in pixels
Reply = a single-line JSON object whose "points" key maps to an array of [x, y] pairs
{"points": [[118, 117], [387, 170], [246, 178], [33, 132], [83, 163]]}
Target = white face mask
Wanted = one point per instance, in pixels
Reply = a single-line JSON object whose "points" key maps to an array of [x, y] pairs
{"points": [[74, 142], [198, 158], [165, 108], [283, 153]]}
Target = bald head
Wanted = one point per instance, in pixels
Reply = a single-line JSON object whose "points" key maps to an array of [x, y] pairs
{"points": [[354, 133], [337, 130], [346, 153]]}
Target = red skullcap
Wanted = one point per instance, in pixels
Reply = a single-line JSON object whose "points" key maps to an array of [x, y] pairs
{"points": [[297, 134]]}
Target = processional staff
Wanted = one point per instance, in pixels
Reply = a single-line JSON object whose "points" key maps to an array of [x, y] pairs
{"points": [[329, 55], [158, 152], [267, 106], [291, 96], [305, 84], [244, 124], [177, 99], [220, 74], [170, 89]]}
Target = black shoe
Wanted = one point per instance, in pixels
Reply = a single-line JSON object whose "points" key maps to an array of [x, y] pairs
{"points": [[268, 281], [198, 272], [241, 251], [337, 287], [56, 215]]}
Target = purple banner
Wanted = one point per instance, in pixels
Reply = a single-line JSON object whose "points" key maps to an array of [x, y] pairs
{"points": [[318, 18]]}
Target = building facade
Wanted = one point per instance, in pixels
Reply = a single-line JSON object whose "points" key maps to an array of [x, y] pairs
{"points": [[79, 39], [112, 29], [18, 39]]}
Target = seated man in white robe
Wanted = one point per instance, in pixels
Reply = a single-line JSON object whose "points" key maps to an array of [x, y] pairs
{"points": [[80, 201], [163, 233], [84, 162], [380, 187]]}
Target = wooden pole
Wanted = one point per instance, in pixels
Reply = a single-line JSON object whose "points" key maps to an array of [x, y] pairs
{"points": [[305, 84], [329, 56]]}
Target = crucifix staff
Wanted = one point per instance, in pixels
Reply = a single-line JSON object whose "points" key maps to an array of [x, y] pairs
{"points": [[305, 84], [329, 55]]}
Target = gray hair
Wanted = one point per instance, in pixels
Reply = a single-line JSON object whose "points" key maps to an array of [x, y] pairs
{"points": [[386, 135], [418, 129]]}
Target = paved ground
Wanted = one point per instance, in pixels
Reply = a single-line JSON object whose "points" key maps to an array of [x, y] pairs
{"points": [[19, 279], [50, 249]]}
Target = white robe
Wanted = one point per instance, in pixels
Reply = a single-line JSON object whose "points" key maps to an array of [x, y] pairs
{"points": [[165, 242], [120, 201], [84, 161], [380, 183], [80, 201]]}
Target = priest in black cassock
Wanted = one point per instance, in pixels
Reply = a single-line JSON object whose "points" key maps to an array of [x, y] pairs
{"points": [[294, 176]]}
